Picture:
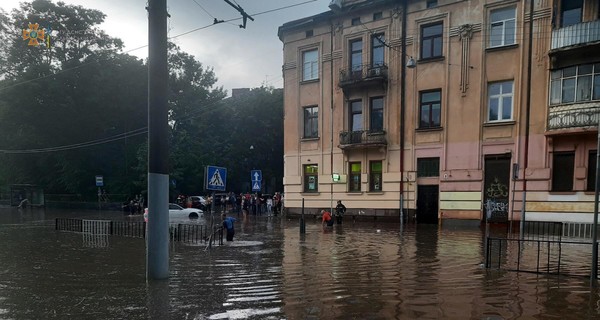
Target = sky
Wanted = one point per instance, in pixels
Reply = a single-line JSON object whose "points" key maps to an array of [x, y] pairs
{"points": [[240, 58]]}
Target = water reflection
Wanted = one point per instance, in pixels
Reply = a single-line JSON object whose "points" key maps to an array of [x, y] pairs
{"points": [[354, 271]]}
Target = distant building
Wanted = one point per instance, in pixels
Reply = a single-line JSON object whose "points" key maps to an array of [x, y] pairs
{"points": [[239, 92], [459, 139]]}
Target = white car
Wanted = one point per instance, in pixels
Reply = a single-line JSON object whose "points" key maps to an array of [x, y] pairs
{"points": [[177, 212]]}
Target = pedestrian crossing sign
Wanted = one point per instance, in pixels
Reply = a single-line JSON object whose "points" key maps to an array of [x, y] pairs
{"points": [[216, 178], [256, 186]]}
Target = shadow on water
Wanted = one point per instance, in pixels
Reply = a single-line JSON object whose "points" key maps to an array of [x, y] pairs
{"points": [[352, 271]]}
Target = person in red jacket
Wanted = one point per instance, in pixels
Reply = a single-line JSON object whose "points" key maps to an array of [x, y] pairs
{"points": [[327, 219]]}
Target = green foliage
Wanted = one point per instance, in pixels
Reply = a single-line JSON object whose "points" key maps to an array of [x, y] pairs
{"points": [[82, 89]]}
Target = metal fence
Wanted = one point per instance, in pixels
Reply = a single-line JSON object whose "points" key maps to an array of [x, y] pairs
{"points": [[546, 230], [189, 233], [556, 257]]}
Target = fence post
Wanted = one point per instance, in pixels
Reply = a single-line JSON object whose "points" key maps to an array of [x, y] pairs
{"points": [[486, 253], [302, 220]]}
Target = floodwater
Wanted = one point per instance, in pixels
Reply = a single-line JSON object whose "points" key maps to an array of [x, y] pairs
{"points": [[357, 271]]}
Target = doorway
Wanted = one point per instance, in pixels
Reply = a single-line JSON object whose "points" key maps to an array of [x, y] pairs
{"points": [[496, 188], [427, 204]]}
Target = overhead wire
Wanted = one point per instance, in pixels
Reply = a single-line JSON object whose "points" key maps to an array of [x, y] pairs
{"points": [[483, 39], [201, 7], [144, 46], [188, 116]]}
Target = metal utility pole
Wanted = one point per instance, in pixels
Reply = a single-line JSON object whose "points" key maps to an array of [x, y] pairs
{"points": [[402, 105], [527, 115], [157, 246], [594, 266]]}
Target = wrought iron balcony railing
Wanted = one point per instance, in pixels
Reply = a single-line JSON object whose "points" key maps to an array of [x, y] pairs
{"points": [[576, 34], [363, 138], [574, 116], [363, 75]]}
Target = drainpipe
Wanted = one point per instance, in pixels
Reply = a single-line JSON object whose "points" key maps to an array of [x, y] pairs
{"points": [[402, 105], [594, 266], [331, 109], [528, 112]]}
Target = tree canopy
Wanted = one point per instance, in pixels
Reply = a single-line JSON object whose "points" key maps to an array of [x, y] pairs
{"points": [[75, 106]]}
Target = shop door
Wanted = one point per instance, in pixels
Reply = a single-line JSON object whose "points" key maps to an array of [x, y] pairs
{"points": [[496, 189], [427, 204]]}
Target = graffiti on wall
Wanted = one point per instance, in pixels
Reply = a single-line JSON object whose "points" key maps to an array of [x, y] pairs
{"points": [[496, 204]]}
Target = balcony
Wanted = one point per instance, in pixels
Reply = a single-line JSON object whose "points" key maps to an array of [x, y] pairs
{"points": [[363, 77], [576, 35], [574, 116], [362, 139]]}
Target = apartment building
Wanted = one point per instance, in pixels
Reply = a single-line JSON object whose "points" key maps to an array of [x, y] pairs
{"points": [[443, 108]]}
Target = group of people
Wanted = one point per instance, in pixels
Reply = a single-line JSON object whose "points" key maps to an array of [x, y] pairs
{"points": [[258, 204], [328, 220], [246, 203], [135, 205]]}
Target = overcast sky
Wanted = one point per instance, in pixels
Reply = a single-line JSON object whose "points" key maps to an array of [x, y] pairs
{"points": [[240, 57]]}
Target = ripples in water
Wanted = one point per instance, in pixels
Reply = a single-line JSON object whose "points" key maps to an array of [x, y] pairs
{"points": [[271, 271]]}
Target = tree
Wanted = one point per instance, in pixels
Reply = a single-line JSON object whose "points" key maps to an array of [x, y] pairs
{"points": [[79, 89]]}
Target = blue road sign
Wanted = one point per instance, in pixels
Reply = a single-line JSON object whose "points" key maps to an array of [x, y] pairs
{"points": [[255, 185], [99, 181], [216, 178], [256, 175]]}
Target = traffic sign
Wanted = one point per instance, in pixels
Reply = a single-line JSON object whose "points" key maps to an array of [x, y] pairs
{"points": [[256, 175], [99, 181], [256, 186], [216, 178]]}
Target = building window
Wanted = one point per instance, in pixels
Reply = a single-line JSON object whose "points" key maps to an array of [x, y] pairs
{"points": [[430, 109], [431, 40], [356, 55], [310, 65], [563, 167], [500, 101], [311, 122], [375, 177], [575, 84], [431, 3], [376, 114], [377, 16], [591, 171], [377, 50], [570, 12], [311, 178], [355, 21], [428, 167], [355, 170], [356, 116], [503, 27]]}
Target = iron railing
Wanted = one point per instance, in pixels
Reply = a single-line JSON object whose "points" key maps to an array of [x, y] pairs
{"points": [[542, 230], [573, 116], [190, 233], [555, 257], [362, 138], [363, 73], [576, 34]]}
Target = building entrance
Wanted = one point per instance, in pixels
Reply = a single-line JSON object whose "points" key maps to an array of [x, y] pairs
{"points": [[427, 203]]}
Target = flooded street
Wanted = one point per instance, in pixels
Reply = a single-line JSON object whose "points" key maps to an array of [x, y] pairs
{"points": [[359, 271]]}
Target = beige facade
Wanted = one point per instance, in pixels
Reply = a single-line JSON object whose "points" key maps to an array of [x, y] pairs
{"points": [[466, 117]]}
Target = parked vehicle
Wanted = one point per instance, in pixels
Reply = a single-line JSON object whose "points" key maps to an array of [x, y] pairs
{"points": [[178, 212], [198, 202]]}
